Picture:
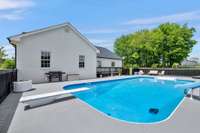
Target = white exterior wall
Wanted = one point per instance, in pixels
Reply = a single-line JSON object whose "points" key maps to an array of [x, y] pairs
{"points": [[107, 62], [65, 48]]}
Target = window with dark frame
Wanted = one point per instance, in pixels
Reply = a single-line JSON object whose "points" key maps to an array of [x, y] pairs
{"points": [[99, 63], [113, 64], [81, 61], [45, 59]]}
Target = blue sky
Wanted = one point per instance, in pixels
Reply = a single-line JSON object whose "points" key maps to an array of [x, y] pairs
{"points": [[101, 21]]}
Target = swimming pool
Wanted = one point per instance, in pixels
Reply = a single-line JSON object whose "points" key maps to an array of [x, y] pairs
{"points": [[136, 99]]}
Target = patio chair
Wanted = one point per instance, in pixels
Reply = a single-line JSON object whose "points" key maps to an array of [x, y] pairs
{"points": [[153, 72], [162, 73], [141, 72]]}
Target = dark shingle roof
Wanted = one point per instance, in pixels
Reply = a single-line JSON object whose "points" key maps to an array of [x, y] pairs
{"points": [[105, 53]]}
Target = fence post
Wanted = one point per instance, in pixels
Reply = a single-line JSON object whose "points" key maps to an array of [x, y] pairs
{"points": [[130, 71]]}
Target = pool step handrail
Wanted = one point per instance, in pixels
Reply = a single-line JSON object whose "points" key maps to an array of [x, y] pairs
{"points": [[192, 85], [36, 100], [189, 88]]}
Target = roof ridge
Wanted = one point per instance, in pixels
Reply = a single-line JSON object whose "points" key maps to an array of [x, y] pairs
{"points": [[52, 27], [106, 53], [39, 29]]}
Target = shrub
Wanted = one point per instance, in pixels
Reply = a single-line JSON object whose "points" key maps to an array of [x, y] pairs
{"points": [[175, 65], [154, 65]]}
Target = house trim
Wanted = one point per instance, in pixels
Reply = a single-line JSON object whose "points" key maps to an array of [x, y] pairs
{"points": [[16, 38], [109, 58]]}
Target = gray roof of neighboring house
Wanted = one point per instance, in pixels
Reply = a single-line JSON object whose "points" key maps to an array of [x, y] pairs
{"points": [[105, 53]]}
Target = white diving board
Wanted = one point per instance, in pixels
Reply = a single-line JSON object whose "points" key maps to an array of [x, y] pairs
{"points": [[41, 99]]}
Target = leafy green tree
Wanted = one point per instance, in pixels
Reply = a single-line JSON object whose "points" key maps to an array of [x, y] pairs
{"points": [[8, 64], [165, 45], [2, 55], [4, 62], [124, 49], [177, 43]]}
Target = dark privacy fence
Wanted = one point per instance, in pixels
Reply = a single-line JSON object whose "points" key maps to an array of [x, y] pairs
{"points": [[6, 82], [170, 71]]}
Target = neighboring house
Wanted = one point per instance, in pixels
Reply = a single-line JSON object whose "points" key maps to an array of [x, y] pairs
{"points": [[55, 48], [108, 63], [190, 62], [106, 58], [195, 59]]}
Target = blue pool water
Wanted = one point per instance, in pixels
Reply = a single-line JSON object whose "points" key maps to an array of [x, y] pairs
{"points": [[131, 99]]}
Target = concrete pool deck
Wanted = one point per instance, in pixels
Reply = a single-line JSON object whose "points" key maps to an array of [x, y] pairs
{"points": [[74, 116]]}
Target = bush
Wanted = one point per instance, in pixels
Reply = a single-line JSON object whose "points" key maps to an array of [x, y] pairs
{"points": [[175, 65], [135, 66], [154, 65]]}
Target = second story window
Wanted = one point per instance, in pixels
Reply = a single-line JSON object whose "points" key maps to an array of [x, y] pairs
{"points": [[81, 61], [113, 64], [45, 59], [98, 63]]}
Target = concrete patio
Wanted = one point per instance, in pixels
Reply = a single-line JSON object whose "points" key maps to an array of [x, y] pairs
{"points": [[73, 116]]}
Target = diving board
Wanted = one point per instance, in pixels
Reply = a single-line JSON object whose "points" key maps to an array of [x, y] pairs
{"points": [[37, 100]]}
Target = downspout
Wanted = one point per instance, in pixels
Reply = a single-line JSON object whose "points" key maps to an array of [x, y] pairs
{"points": [[15, 56]]}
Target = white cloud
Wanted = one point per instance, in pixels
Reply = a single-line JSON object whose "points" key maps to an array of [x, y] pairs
{"points": [[197, 27], [14, 9], [14, 15], [107, 43], [15, 4], [180, 17], [196, 48], [102, 41], [117, 30], [98, 40], [104, 31]]}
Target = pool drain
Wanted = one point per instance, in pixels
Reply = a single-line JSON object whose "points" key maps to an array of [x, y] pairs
{"points": [[153, 111]]}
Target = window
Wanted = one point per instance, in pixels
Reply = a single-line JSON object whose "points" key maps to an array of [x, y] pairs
{"points": [[113, 64], [81, 61], [98, 63], [45, 59]]}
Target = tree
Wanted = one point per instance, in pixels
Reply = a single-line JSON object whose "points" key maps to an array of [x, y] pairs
{"points": [[124, 49], [2, 55], [163, 46], [177, 43], [8, 64]]}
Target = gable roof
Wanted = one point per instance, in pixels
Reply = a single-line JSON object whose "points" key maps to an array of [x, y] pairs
{"points": [[16, 38], [105, 53]]}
